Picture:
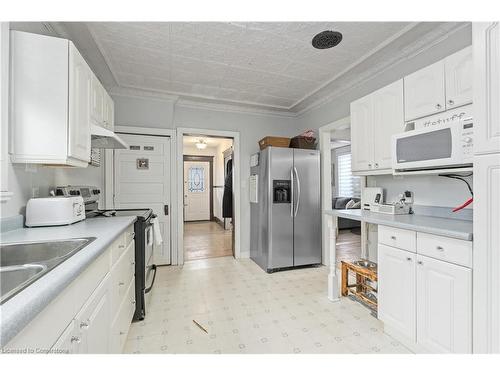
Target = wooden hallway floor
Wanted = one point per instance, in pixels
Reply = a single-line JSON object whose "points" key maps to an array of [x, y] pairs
{"points": [[206, 239]]}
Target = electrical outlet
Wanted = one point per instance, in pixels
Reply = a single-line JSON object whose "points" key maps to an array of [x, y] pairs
{"points": [[35, 192]]}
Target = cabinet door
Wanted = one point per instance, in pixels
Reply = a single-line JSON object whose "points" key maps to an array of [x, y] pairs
{"points": [[444, 309], [388, 119], [69, 342], [362, 134], [396, 289], [458, 76], [94, 320], [425, 91], [486, 44], [79, 106], [108, 112], [97, 101], [486, 255]]}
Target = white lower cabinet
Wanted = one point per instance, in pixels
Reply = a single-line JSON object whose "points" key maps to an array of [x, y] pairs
{"points": [[444, 307], [423, 301], [83, 318], [396, 300]]}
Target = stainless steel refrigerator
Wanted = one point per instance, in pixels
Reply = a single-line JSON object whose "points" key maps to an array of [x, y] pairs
{"points": [[285, 209]]}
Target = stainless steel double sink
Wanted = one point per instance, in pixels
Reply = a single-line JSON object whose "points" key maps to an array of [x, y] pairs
{"points": [[24, 262]]}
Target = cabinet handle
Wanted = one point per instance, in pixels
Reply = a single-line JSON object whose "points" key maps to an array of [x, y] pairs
{"points": [[376, 165], [408, 259], [369, 165], [451, 102], [439, 248], [132, 235], [121, 284], [121, 246], [75, 339], [122, 333], [393, 237], [438, 106], [420, 262], [133, 302], [133, 263], [84, 325]]}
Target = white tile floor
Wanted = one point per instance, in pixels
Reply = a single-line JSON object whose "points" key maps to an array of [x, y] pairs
{"points": [[246, 310]]}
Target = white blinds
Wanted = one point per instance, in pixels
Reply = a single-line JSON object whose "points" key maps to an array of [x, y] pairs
{"points": [[349, 185]]}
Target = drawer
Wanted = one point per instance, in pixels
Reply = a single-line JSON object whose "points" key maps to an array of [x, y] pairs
{"points": [[123, 319], [445, 248], [396, 237], [122, 273], [122, 242]]}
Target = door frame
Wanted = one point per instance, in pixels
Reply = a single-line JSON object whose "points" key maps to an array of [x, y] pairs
{"points": [[329, 222], [210, 160], [109, 183], [181, 132]]}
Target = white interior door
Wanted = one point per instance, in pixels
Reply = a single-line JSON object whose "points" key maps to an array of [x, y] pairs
{"points": [[142, 180], [196, 190]]}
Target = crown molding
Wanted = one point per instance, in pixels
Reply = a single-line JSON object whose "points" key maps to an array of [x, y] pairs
{"points": [[180, 101], [420, 45]]}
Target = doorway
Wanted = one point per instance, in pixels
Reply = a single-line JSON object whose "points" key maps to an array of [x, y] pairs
{"points": [[207, 197]]}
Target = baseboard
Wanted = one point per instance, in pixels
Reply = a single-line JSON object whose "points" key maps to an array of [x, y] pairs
{"points": [[219, 221], [245, 255], [403, 339]]}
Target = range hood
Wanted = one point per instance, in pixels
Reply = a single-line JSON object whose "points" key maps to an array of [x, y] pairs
{"points": [[104, 138]]}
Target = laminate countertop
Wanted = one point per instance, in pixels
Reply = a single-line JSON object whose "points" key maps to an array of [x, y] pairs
{"points": [[454, 228], [18, 311]]}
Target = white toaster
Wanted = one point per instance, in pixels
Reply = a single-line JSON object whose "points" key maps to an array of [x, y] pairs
{"points": [[44, 212]]}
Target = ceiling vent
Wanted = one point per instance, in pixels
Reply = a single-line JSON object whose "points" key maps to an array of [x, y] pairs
{"points": [[326, 39]]}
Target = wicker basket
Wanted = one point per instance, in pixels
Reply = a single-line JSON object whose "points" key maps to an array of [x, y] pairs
{"points": [[274, 141], [308, 143]]}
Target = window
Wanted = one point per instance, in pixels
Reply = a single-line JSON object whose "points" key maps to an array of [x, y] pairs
{"points": [[196, 180], [348, 185]]}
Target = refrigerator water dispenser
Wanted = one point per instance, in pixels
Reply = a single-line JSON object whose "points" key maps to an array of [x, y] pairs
{"points": [[281, 191]]}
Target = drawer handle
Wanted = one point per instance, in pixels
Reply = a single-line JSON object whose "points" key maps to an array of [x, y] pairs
{"points": [[76, 339], [84, 325], [393, 237], [122, 333], [439, 248], [420, 262], [121, 246], [121, 284], [408, 259]]}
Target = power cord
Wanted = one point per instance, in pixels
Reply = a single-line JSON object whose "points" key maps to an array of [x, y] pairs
{"points": [[460, 178]]}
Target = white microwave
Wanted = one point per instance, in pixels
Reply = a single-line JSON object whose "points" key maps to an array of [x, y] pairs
{"points": [[434, 147]]}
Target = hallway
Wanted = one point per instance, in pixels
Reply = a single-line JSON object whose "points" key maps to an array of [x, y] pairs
{"points": [[206, 239]]}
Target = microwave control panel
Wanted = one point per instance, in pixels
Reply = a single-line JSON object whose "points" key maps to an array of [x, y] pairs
{"points": [[467, 137]]}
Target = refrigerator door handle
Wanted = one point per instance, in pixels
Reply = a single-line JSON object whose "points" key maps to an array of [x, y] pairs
{"points": [[298, 192], [292, 192]]}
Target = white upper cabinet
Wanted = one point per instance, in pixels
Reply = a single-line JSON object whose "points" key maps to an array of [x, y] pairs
{"points": [[374, 119], [458, 76], [102, 107], [388, 119], [424, 91], [108, 118], [486, 44], [361, 134], [79, 106], [444, 308], [49, 101]]}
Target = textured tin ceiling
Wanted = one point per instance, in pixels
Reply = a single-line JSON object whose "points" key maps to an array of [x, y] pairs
{"points": [[271, 65]]}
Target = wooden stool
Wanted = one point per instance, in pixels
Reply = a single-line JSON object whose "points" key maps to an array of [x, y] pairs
{"points": [[361, 287]]}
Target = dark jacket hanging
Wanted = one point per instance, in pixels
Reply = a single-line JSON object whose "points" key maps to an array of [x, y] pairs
{"points": [[227, 199]]}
